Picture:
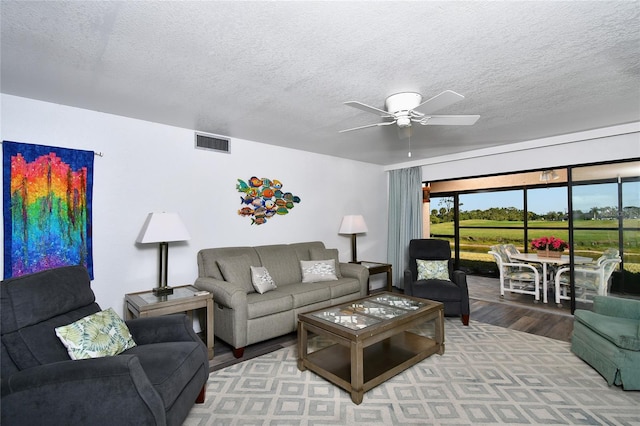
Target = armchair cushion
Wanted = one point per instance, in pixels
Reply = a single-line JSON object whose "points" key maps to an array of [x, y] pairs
{"points": [[97, 335], [433, 269], [169, 366], [622, 332], [440, 290]]}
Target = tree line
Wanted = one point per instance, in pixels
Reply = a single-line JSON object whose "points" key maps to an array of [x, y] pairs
{"points": [[445, 214]]}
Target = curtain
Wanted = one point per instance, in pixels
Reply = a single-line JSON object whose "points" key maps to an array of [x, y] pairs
{"points": [[405, 218]]}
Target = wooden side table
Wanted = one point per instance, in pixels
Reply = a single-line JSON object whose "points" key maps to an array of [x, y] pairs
{"points": [[184, 299], [378, 268]]}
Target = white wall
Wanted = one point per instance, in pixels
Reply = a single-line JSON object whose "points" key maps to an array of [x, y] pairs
{"points": [[592, 146], [152, 167], [610, 148]]}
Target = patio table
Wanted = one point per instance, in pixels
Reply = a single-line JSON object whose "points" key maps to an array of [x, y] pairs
{"points": [[562, 260]]}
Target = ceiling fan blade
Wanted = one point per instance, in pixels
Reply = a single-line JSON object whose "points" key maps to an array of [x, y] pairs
{"points": [[385, 123], [444, 99], [368, 108], [449, 120]]}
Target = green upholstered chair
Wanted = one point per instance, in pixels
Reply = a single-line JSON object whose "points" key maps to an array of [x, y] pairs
{"points": [[515, 276], [590, 279], [608, 339]]}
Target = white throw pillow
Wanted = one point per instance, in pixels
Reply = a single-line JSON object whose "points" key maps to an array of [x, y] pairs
{"points": [[314, 271], [325, 253], [261, 279]]}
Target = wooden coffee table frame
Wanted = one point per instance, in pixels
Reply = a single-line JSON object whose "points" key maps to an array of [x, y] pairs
{"points": [[360, 360]]}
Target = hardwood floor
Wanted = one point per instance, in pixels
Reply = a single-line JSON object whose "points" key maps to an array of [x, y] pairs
{"points": [[515, 311]]}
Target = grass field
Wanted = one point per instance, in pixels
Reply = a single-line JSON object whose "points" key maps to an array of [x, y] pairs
{"points": [[475, 243]]}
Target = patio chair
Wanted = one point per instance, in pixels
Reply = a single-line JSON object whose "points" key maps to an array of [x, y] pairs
{"points": [[590, 278], [515, 276]]}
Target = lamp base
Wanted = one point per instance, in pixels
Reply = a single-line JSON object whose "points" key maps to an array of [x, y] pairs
{"points": [[162, 291]]}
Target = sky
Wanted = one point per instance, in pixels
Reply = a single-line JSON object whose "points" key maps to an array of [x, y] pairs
{"points": [[544, 200]]}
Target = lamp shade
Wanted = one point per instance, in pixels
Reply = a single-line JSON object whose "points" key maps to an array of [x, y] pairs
{"points": [[163, 228], [353, 224]]}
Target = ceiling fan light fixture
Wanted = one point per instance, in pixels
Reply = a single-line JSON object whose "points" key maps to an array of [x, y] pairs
{"points": [[404, 122]]}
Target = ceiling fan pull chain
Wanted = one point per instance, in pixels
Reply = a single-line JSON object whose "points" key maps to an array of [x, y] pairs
{"points": [[409, 155]]}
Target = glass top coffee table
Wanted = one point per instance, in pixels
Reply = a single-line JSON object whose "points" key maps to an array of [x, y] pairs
{"points": [[371, 340]]}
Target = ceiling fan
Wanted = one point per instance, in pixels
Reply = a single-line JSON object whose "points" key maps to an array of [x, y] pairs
{"points": [[402, 109]]}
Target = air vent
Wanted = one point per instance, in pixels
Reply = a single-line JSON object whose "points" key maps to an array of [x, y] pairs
{"points": [[212, 143]]}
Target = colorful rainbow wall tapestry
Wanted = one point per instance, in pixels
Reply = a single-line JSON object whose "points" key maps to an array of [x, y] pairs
{"points": [[47, 194]]}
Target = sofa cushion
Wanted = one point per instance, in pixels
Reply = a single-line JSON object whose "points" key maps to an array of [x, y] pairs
{"points": [[208, 259], [261, 280], [622, 332], [282, 263], [307, 294], [303, 250], [237, 270], [95, 336], [317, 253], [318, 270], [343, 287], [260, 305]]}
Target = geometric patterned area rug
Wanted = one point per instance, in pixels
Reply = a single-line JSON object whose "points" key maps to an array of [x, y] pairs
{"points": [[488, 375]]}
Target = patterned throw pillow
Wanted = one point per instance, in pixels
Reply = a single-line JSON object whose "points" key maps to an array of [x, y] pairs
{"points": [[325, 253], [261, 279], [314, 271], [94, 336], [433, 269]]}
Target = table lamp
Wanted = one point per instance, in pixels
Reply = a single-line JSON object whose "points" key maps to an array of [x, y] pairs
{"points": [[353, 224], [163, 228]]}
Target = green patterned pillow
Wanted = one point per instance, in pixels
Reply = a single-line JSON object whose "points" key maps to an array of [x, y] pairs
{"points": [[94, 336], [433, 269]]}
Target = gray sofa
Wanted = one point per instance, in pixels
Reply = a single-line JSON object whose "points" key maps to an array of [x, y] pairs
{"points": [[243, 316]]}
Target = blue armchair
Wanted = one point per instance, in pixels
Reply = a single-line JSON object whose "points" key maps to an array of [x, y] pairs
{"points": [[154, 383], [608, 339], [450, 289]]}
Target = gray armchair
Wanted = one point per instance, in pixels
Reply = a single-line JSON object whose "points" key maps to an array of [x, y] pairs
{"points": [[154, 383], [452, 292]]}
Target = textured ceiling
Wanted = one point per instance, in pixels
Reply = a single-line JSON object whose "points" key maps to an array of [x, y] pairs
{"points": [[279, 72]]}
